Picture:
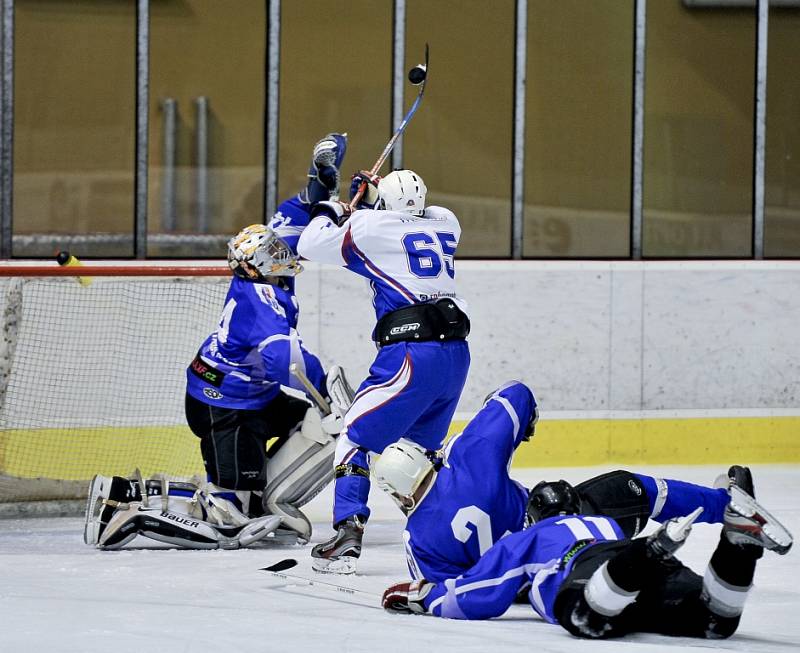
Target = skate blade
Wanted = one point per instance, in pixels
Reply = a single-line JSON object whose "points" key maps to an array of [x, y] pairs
{"points": [[780, 539], [342, 565]]}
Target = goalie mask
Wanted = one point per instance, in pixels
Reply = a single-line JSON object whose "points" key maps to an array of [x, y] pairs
{"points": [[256, 253], [403, 190], [400, 470]]}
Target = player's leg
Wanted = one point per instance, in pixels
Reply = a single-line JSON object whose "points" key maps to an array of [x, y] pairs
{"points": [[668, 498], [233, 444], [631, 499], [442, 372], [385, 407], [607, 604]]}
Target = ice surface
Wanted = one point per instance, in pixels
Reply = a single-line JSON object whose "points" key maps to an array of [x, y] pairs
{"points": [[57, 594]]}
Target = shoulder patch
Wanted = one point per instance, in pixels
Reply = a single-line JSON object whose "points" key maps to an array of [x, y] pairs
{"points": [[266, 294]]}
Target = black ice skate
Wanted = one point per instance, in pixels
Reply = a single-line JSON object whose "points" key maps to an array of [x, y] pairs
{"points": [[739, 476], [339, 554], [746, 522], [671, 536]]}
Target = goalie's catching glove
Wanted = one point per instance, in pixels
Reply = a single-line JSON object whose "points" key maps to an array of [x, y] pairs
{"points": [[370, 197], [407, 598]]}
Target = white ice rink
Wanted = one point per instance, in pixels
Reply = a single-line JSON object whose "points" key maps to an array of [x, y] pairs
{"points": [[57, 594]]}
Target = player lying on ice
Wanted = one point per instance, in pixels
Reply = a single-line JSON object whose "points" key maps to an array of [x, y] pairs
{"points": [[459, 504], [406, 250], [584, 575], [234, 404]]}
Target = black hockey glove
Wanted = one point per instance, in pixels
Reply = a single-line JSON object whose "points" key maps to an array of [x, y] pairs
{"points": [[370, 197], [339, 212], [407, 598]]}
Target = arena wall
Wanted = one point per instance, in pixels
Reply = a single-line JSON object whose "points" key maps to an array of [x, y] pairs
{"points": [[653, 362]]}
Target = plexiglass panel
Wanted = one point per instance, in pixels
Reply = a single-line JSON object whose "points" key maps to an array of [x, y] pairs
{"points": [[578, 128], [460, 141], [782, 175], [74, 127], [699, 99], [206, 150], [335, 76]]}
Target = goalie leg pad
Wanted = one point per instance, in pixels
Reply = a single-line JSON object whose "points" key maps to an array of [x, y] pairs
{"points": [[302, 467], [182, 530]]}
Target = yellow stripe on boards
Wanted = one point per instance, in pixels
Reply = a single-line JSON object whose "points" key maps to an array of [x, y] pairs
{"points": [[683, 441], [79, 453]]}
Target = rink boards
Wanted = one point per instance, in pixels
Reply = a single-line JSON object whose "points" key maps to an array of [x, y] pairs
{"points": [[625, 438]]}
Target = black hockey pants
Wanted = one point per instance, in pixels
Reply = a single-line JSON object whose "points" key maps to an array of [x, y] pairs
{"points": [[234, 442]]}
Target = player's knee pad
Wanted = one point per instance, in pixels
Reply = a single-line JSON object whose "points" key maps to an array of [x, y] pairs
{"points": [[619, 495]]}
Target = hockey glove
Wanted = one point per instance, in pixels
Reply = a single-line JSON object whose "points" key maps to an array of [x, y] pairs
{"points": [[339, 212], [407, 598], [671, 536], [370, 198]]}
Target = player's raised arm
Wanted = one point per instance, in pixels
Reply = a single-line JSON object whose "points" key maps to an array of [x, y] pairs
{"points": [[322, 240], [507, 419]]}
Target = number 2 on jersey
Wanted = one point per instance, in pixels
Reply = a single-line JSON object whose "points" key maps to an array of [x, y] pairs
{"points": [[425, 259], [473, 516]]}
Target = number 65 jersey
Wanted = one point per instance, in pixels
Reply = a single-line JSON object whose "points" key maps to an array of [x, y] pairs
{"points": [[407, 259]]}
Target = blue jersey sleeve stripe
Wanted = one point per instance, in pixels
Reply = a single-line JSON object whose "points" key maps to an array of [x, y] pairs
{"points": [[272, 339], [505, 403]]}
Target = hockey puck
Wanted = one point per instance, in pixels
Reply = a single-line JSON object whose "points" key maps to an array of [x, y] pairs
{"points": [[417, 74]]}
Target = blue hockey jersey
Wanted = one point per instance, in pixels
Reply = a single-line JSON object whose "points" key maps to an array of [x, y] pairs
{"points": [[543, 555], [473, 501], [246, 360], [291, 217]]}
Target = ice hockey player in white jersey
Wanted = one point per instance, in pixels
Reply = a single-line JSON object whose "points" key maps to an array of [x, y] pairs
{"points": [[235, 405], [406, 251], [583, 574]]}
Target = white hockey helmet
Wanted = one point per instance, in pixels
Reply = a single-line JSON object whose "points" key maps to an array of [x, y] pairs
{"points": [[256, 253], [403, 190], [401, 469]]}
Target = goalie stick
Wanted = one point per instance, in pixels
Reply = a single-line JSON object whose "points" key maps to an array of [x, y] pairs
{"points": [[279, 567], [419, 72], [323, 405]]}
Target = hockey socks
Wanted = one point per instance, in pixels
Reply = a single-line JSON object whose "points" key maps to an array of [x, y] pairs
{"points": [[670, 498]]}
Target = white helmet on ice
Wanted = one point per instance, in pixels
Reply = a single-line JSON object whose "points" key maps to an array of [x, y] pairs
{"points": [[256, 253], [401, 469], [403, 190]]}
